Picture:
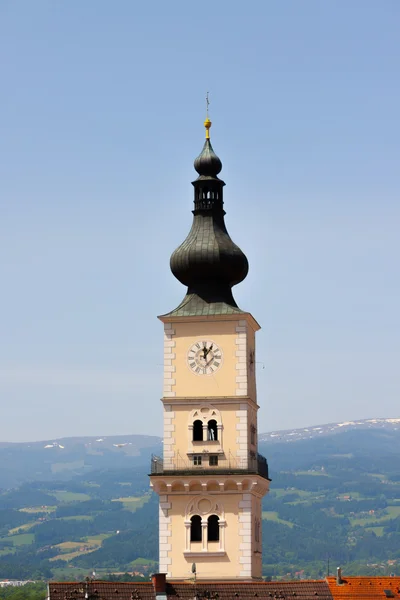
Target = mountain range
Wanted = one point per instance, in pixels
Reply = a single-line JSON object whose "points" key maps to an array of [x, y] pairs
{"points": [[64, 458], [74, 505]]}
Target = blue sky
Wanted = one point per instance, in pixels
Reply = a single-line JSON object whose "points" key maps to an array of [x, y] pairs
{"points": [[101, 118]]}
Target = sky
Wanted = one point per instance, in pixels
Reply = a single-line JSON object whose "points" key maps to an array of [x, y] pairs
{"points": [[101, 115]]}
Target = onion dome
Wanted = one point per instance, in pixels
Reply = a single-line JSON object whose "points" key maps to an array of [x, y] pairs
{"points": [[208, 262], [207, 163]]}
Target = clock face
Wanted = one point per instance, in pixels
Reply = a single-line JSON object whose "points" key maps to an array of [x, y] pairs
{"points": [[204, 357]]}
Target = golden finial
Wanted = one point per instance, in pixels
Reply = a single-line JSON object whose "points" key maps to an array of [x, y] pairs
{"points": [[207, 122]]}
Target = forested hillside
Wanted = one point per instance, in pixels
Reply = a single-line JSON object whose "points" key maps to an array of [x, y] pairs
{"points": [[333, 498]]}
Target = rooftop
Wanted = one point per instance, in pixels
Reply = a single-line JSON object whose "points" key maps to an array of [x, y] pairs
{"points": [[204, 590], [365, 588]]}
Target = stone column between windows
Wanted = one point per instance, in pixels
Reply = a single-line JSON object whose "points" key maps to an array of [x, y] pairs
{"points": [[164, 535], [241, 358], [204, 535], [219, 428], [187, 535], [190, 440], [222, 525], [245, 531], [205, 432], [169, 355]]}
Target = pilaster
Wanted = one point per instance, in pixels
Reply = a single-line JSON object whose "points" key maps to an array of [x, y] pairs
{"points": [[241, 358], [242, 434], [165, 535], [245, 537], [169, 355], [169, 437]]}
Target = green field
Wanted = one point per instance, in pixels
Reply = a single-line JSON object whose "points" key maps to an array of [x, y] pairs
{"points": [[392, 513], [21, 539], [77, 518], [140, 562], [97, 539], [132, 503], [271, 515], [67, 497], [23, 528], [70, 555], [70, 550], [67, 466], [281, 493], [376, 530], [68, 546], [38, 509], [5, 551]]}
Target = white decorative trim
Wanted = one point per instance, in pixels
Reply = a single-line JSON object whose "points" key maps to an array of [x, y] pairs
{"points": [[242, 441], [245, 535], [169, 439], [201, 554], [169, 356], [214, 508], [164, 533], [241, 358]]}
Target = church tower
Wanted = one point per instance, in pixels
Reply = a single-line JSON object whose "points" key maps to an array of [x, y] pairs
{"points": [[211, 479]]}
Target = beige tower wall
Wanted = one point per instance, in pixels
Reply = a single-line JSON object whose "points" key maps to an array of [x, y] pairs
{"points": [[236, 554], [233, 422], [236, 377], [230, 488]]}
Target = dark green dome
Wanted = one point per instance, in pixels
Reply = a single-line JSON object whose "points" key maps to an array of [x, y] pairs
{"points": [[208, 163], [208, 262]]}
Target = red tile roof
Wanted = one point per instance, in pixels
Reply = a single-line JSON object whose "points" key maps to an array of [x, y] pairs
{"points": [[364, 588], [102, 590], [352, 588], [210, 590], [232, 590]]}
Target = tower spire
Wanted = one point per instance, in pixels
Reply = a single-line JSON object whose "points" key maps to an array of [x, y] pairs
{"points": [[210, 479], [208, 262], [207, 122]]}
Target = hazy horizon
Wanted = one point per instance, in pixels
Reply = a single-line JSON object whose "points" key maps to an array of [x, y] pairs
{"points": [[160, 434], [102, 117]]}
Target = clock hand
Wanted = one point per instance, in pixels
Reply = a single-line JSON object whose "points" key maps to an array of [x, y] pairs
{"points": [[210, 348]]}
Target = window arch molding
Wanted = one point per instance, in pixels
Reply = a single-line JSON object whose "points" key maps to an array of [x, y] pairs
{"points": [[208, 512], [211, 420]]}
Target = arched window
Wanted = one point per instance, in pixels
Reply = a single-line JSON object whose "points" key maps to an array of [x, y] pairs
{"points": [[213, 528], [195, 528], [198, 431], [212, 430]]}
